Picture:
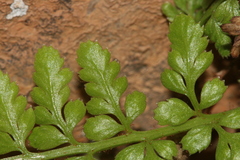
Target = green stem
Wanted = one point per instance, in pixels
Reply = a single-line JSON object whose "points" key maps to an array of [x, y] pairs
{"points": [[134, 137], [190, 84]]}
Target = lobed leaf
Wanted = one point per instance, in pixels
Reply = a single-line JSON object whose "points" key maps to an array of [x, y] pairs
{"points": [[74, 111], [135, 105], [186, 38], [202, 62], [46, 137], [7, 143], [212, 92], [177, 63], [101, 127], [231, 120], [228, 146], [26, 122], [172, 112], [97, 106], [52, 91], [173, 81], [103, 86], [100, 72], [223, 151], [43, 116], [51, 94], [15, 122], [197, 139]]}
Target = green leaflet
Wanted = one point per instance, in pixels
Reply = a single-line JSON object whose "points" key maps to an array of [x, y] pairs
{"points": [[212, 92], [231, 120], [165, 148], [223, 151], [15, 121], [135, 105], [74, 111], [46, 137], [97, 106], [51, 94], [43, 116], [197, 139], [173, 81], [228, 145], [172, 112], [101, 127], [223, 13], [7, 144]]}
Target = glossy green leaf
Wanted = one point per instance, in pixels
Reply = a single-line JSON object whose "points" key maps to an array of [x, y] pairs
{"points": [[186, 38], [97, 106], [172, 112], [74, 111], [177, 63], [197, 139], [46, 137], [228, 146], [173, 81], [212, 92], [52, 92], [99, 71], [135, 151], [231, 120], [43, 116], [235, 146], [26, 122], [202, 62], [101, 127], [135, 105], [7, 144], [223, 151], [223, 13], [165, 148], [102, 83], [15, 122]]}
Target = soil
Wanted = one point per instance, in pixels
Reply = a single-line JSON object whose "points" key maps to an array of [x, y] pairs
{"points": [[134, 31]]}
